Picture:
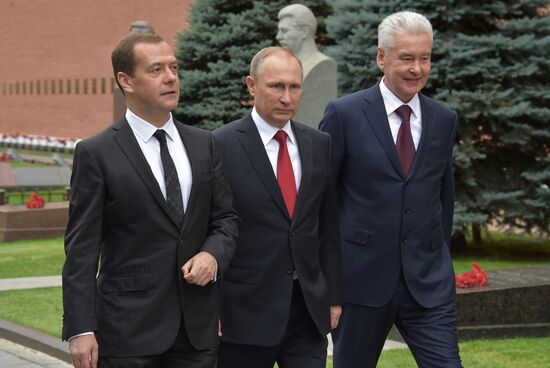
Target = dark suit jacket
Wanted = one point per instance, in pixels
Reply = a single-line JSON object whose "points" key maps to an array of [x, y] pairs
{"points": [[391, 223], [117, 211], [257, 288]]}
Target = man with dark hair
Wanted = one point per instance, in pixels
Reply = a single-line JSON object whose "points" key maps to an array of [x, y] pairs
{"points": [[281, 294], [392, 161], [150, 201]]}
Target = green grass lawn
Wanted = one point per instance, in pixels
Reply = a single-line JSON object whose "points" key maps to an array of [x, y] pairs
{"points": [[38, 152], [45, 257], [27, 258], [15, 164], [508, 353], [54, 195], [500, 252], [39, 309]]}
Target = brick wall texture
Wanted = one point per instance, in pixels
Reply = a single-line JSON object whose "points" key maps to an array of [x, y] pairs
{"points": [[55, 67]]}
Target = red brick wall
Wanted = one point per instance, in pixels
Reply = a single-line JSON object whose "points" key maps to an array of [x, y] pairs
{"points": [[44, 40]]}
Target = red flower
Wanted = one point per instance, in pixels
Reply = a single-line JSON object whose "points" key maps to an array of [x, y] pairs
{"points": [[475, 277], [35, 201]]}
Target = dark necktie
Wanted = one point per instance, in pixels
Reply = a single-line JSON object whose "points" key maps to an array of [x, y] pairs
{"points": [[285, 174], [171, 180], [405, 144]]}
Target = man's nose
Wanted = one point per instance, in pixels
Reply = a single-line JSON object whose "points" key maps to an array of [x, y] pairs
{"points": [[170, 76], [285, 97], [415, 67]]}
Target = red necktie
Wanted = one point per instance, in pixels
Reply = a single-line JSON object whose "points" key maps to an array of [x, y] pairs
{"points": [[405, 144], [285, 174]]}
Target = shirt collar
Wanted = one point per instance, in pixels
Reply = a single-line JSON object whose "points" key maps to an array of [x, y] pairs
{"points": [[145, 130], [392, 102], [267, 131]]}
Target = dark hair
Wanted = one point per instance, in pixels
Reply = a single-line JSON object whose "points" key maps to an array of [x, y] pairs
{"points": [[123, 57]]}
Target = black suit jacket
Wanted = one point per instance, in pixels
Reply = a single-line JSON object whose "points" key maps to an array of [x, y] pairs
{"points": [[391, 223], [117, 212], [257, 288]]}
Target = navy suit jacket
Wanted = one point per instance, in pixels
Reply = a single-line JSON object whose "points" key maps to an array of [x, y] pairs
{"points": [[256, 290], [392, 224]]}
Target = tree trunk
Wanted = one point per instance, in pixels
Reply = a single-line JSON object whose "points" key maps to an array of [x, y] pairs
{"points": [[476, 234], [458, 243]]}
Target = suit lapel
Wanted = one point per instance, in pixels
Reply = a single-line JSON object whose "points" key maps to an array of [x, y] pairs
{"points": [[193, 150], [127, 142], [427, 130], [305, 147], [377, 117], [249, 138]]}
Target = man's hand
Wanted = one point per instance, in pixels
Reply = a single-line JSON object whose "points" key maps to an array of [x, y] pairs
{"points": [[200, 269], [219, 327], [335, 313], [84, 351]]}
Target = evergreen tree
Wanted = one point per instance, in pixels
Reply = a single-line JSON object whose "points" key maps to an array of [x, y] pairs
{"points": [[491, 64], [215, 52]]}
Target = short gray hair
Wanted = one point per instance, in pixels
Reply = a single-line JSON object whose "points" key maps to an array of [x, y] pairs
{"points": [[302, 15], [402, 22], [264, 53]]}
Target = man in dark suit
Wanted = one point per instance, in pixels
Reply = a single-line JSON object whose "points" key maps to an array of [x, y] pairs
{"points": [[392, 164], [151, 202], [281, 294]]}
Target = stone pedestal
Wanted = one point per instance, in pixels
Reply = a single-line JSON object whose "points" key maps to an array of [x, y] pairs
{"points": [[318, 89], [20, 222], [515, 303]]}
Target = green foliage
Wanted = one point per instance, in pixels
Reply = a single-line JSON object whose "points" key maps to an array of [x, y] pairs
{"points": [[490, 63], [215, 52], [26, 258]]}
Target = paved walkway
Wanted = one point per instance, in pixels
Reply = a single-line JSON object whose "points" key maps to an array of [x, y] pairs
{"points": [[20, 283], [13, 355], [17, 356]]}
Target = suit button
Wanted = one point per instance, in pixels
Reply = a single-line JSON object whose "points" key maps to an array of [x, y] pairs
{"points": [[404, 240], [407, 211], [290, 269], [292, 233]]}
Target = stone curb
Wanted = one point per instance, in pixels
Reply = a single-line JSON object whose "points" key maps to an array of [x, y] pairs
{"points": [[21, 283], [39, 341]]}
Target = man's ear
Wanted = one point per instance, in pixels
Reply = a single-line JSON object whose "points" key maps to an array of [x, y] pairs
{"points": [[125, 82], [305, 32], [380, 58], [251, 85]]}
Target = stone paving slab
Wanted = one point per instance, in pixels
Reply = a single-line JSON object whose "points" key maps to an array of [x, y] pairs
{"points": [[42, 176], [17, 356], [7, 176], [20, 283]]}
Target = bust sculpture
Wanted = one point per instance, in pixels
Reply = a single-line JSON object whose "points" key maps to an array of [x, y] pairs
{"points": [[297, 28]]}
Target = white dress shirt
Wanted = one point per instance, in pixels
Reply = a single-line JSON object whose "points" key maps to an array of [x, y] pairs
{"points": [[150, 147], [392, 102], [267, 132]]}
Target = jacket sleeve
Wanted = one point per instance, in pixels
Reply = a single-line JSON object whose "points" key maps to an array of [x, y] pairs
{"points": [[223, 224], [447, 189], [330, 253], [82, 244]]}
